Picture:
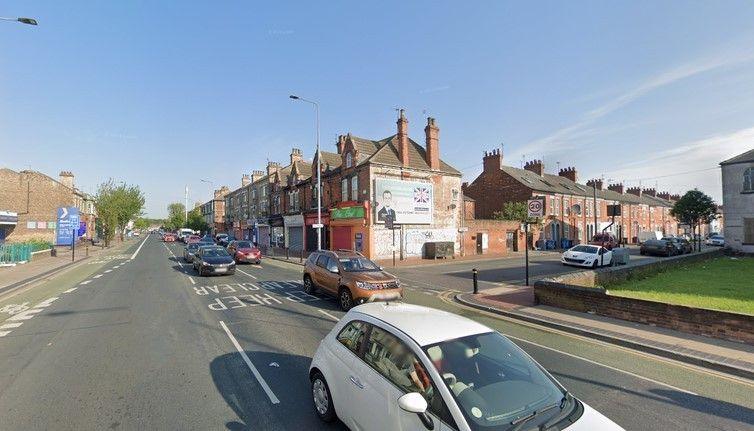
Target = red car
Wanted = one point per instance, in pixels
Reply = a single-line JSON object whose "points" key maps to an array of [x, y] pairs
{"points": [[244, 251], [169, 237], [192, 239], [606, 240]]}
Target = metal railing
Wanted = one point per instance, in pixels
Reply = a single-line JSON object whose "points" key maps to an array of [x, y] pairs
{"points": [[14, 253]]}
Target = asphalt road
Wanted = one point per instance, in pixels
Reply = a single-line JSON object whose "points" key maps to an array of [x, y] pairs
{"points": [[145, 344]]}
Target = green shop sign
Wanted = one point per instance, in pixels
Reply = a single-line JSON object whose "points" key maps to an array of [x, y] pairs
{"points": [[347, 212]]}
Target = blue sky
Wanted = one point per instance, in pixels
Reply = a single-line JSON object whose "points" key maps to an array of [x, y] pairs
{"points": [[162, 94]]}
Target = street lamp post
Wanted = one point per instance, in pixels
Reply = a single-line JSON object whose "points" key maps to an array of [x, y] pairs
{"points": [[28, 21], [319, 175]]}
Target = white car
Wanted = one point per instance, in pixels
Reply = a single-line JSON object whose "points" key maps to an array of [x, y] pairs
{"points": [[716, 240], [590, 256], [397, 366]]}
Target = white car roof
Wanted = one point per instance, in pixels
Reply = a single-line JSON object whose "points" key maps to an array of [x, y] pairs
{"points": [[423, 324]]}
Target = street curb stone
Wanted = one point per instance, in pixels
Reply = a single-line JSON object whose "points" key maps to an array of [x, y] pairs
{"points": [[717, 365]]}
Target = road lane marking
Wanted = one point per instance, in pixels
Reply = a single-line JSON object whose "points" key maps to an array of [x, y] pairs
{"points": [[11, 325], [85, 282], [192, 280], [4, 333], [638, 376], [97, 276], [108, 270], [271, 395], [133, 256], [70, 290], [46, 302], [328, 315], [244, 272], [24, 315]]}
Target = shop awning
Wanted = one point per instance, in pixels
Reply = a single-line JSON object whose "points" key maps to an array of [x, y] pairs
{"points": [[8, 218]]}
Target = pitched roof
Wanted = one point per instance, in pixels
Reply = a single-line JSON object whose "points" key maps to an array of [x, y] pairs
{"points": [[330, 160], [746, 157], [385, 152], [549, 183]]}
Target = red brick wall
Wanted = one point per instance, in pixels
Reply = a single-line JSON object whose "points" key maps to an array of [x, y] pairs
{"points": [[492, 189]]}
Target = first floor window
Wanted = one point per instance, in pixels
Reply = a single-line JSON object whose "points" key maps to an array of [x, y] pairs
{"points": [[344, 189], [355, 188]]}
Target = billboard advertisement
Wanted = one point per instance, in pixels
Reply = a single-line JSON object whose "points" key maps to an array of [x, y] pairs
{"points": [[409, 202], [67, 225]]}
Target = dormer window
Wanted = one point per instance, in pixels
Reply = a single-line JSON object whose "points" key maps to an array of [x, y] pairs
{"points": [[349, 160]]}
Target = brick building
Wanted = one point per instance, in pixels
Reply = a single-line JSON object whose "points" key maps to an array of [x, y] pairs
{"points": [[571, 207], [213, 211], [29, 201]]}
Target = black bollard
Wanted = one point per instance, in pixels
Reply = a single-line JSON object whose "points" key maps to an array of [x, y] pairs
{"points": [[474, 272]]}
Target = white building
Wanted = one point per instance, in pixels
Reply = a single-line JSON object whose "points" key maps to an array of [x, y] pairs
{"points": [[738, 201]]}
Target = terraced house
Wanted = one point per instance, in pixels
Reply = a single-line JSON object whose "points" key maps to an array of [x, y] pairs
{"points": [[574, 211]]}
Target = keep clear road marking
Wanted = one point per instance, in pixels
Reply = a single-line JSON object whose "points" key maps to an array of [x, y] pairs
{"points": [[274, 399], [133, 256], [328, 315], [603, 365], [244, 272]]}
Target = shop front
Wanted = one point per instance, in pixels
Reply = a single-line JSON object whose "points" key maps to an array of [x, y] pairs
{"points": [[260, 232], [349, 227], [277, 231], [310, 220], [8, 221], [294, 232]]}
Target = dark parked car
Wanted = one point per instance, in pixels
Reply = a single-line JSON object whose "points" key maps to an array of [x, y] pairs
{"points": [[222, 239], [190, 251], [213, 259], [682, 244], [244, 251], [658, 247]]}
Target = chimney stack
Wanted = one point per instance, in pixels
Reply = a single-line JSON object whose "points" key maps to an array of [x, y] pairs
{"points": [[402, 138], [675, 198], [432, 135], [272, 167], [617, 188], [650, 192], [245, 180], [595, 183], [256, 176], [66, 178], [569, 172], [535, 166], [296, 155], [341, 143], [221, 192], [493, 160], [664, 195], [634, 191]]}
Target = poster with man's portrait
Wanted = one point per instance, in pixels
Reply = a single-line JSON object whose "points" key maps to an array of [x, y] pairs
{"points": [[408, 202]]}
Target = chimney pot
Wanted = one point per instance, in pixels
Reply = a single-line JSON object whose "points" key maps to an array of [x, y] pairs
{"points": [[402, 138], [432, 138], [492, 160], [535, 166]]}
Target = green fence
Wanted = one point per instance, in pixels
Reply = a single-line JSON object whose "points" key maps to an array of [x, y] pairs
{"points": [[12, 253]]}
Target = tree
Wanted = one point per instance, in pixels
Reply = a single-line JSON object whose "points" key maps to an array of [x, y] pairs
{"points": [[515, 211], [196, 221], [141, 223], [694, 208], [176, 216], [116, 205]]}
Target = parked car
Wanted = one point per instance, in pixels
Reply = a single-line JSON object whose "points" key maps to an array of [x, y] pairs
{"points": [[590, 256], [658, 247], [716, 240], [169, 237], [606, 240], [681, 244], [190, 251], [207, 240], [350, 277], [244, 251], [183, 233], [213, 259], [222, 239], [190, 239], [388, 366]]}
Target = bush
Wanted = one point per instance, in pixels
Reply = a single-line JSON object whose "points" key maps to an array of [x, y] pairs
{"points": [[38, 244]]}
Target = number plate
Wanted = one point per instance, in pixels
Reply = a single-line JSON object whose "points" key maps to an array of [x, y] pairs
{"points": [[221, 269]]}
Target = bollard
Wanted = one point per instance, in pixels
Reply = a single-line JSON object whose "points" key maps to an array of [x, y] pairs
{"points": [[87, 251], [287, 253], [474, 272]]}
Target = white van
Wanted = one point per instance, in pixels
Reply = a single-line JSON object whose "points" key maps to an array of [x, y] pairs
{"points": [[650, 234], [184, 232]]}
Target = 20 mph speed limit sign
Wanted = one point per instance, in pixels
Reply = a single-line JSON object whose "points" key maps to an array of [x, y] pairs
{"points": [[535, 208]]}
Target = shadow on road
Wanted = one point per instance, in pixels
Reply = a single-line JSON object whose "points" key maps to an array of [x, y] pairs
{"points": [[254, 411]]}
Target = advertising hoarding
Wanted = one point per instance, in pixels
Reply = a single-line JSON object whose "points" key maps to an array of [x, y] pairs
{"points": [[410, 202], [67, 225]]}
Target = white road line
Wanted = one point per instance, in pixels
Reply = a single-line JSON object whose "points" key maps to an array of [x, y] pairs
{"points": [[70, 290], [257, 266], [97, 276], [24, 315], [244, 272], [108, 270], [274, 399], [46, 302], [11, 325], [133, 256], [192, 280], [4, 333], [116, 267], [328, 315], [603, 365], [85, 282]]}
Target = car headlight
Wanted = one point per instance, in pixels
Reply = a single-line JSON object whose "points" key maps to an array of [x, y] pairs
{"points": [[232, 264], [397, 283], [205, 264]]}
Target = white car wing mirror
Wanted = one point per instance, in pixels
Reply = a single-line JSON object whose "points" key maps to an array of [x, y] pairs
{"points": [[413, 402]]}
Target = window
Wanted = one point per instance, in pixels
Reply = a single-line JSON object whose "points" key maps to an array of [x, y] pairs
{"points": [[390, 357], [332, 264], [355, 188], [749, 180], [352, 336], [344, 189], [349, 160], [749, 231]]}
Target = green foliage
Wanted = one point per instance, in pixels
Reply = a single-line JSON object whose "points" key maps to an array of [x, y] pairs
{"points": [[694, 207], [141, 223], [514, 211], [116, 205], [176, 216], [196, 221]]}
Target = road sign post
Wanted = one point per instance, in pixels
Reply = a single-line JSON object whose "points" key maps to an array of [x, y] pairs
{"points": [[535, 208], [526, 249]]}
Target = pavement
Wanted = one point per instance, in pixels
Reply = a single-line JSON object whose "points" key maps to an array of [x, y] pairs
{"points": [[140, 342]]}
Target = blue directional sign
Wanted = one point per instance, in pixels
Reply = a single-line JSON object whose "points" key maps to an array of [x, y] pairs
{"points": [[67, 225]]}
